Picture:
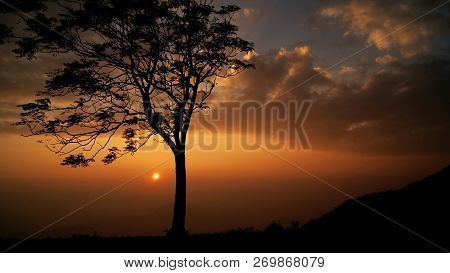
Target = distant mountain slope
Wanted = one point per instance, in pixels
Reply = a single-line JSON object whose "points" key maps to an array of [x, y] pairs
{"points": [[422, 207]]}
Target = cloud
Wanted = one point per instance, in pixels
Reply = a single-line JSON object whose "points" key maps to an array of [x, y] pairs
{"points": [[347, 70], [276, 71], [376, 19], [250, 55], [400, 109], [250, 12], [385, 59], [397, 108]]}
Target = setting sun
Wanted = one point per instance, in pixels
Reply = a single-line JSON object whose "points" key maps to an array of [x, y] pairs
{"points": [[155, 176]]}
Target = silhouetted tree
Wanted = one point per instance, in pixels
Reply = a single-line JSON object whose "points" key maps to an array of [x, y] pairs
{"points": [[140, 68]]}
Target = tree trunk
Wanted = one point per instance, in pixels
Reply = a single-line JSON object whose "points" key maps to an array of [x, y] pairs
{"points": [[178, 229]]}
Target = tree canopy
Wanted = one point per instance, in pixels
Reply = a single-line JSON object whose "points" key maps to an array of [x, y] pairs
{"points": [[139, 68]]}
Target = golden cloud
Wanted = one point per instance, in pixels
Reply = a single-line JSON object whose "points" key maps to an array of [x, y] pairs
{"points": [[386, 24]]}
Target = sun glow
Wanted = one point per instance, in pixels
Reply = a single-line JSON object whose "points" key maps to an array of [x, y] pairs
{"points": [[156, 176]]}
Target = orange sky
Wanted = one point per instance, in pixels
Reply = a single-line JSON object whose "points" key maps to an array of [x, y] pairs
{"points": [[379, 121], [226, 189]]}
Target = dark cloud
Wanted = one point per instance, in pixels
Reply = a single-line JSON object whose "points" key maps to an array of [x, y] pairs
{"points": [[403, 108], [275, 72], [397, 107], [374, 19], [394, 98]]}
